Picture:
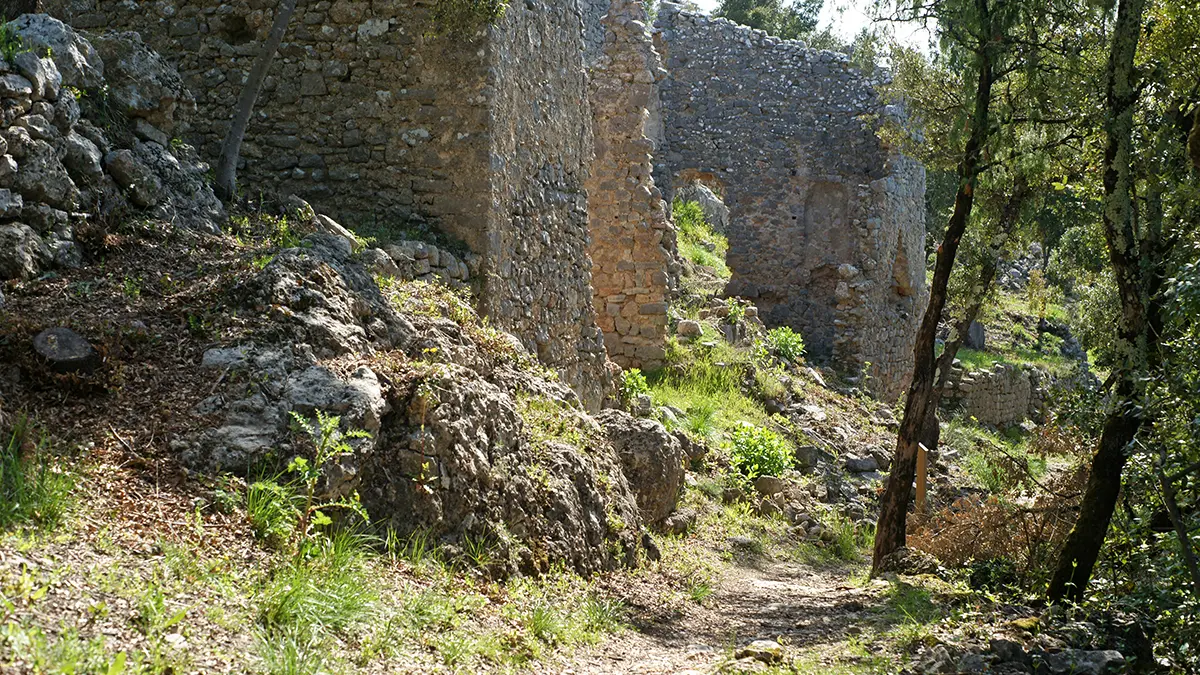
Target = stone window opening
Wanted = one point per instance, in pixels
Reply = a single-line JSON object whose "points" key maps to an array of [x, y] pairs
{"points": [[234, 30]]}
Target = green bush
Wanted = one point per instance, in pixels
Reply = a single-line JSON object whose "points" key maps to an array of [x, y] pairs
{"points": [[786, 343], [759, 452], [10, 41], [633, 384], [465, 17], [737, 311]]}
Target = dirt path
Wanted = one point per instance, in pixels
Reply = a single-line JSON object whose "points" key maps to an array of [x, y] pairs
{"points": [[803, 606]]}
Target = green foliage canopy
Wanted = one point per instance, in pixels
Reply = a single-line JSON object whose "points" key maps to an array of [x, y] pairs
{"points": [[793, 20]]}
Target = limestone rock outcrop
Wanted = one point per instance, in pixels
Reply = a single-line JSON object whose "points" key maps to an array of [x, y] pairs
{"points": [[65, 162], [652, 458], [453, 409]]}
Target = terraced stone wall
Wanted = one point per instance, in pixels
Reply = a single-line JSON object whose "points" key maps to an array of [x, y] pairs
{"points": [[1002, 395]]}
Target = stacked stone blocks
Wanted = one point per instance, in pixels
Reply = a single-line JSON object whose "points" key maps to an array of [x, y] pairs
{"points": [[1003, 395], [633, 242]]}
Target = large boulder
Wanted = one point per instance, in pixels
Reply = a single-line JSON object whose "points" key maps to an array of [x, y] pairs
{"points": [[76, 59], [141, 82], [40, 176], [651, 458], [1083, 662], [324, 298], [458, 459], [187, 198], [714, 210], [139, 182], [976, 337], [22, 252], [254, 423], [44, 77], [82, 158]]}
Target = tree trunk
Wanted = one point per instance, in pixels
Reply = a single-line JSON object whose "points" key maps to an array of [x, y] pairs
{"points": [[890, 533], [931, 429], [1082, 548], [1181, 531], [231, 149]]}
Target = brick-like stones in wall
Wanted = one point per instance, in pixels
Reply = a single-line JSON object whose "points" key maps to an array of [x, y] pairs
{"points": [[632, 240]]}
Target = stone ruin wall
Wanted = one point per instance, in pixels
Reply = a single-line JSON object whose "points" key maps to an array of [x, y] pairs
{"points": [[1000, 396], [634, 268], [375, 121], [540, 124], [827, 226]]}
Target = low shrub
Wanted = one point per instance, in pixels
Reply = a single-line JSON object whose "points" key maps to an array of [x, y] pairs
{"points": [[786, 344], [757, 451], [633, 384]]}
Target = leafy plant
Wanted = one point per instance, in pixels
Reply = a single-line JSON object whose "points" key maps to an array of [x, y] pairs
{"points": [[10, 41], [786, 343], [737, 312], [283, 235], [273, 510], [132, 287], [329, 444], [633, 384], [757, 451], [260, 262]]}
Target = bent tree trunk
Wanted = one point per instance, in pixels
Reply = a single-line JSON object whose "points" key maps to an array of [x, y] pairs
{"points": [[890, 533], [231, 149], [1082, 548]]}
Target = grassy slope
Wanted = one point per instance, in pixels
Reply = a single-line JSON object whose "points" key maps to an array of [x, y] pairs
{"points": [[152, 569]]}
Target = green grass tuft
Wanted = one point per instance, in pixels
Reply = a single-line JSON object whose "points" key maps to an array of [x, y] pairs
{"points": [[697, 241], [34, 487]]}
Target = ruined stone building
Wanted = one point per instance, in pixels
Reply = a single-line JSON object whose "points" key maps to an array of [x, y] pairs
{"points": [[827, 226], [537, 143]]}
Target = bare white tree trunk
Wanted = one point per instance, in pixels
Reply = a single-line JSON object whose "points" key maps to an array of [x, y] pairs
{"points": [[226, 184]]}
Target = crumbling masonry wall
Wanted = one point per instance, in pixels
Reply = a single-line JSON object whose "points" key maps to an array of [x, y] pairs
{"points": [[1002, 395], [374, 120], [633, 242], [827, 225]]}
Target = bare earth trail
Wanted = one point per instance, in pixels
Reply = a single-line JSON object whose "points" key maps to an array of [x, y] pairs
{"points": [[801, 606]]}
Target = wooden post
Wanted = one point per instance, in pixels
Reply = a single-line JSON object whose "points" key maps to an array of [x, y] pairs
{"points": [[922, 475]]}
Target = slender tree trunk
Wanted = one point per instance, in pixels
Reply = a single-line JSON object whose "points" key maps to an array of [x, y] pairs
{"points": [[931, 429], [1181, 531], [231, 149], [1082, 548], [890, 533]]}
